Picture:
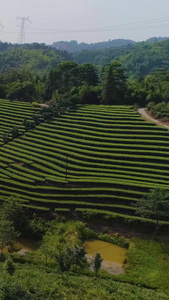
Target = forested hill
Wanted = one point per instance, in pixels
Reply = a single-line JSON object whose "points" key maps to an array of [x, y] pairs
{"points": [[157, 39], [35, 57], [139, 59], [73, 46]]}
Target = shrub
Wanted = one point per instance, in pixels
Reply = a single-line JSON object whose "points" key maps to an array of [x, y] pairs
{"points": [[115, 239], [9, 266]]}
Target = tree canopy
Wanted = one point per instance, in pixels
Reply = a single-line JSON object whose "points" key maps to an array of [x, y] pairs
{"points": [[155, 206]]}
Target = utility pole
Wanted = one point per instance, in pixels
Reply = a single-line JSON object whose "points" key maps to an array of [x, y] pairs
{"points": [[23, 22]]}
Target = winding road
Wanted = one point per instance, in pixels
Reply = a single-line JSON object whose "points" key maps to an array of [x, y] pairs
{"points": [[143, 113]]}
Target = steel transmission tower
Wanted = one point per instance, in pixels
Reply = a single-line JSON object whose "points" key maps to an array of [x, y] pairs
{"points": [[24, 21]]}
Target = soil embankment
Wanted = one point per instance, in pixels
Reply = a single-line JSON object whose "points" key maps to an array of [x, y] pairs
{"points": [[145, 115]]}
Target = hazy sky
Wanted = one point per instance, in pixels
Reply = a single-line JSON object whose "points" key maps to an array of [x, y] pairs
{"points": [[85, 20]]}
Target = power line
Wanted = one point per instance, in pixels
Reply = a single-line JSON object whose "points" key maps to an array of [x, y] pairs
{"points": [[103, 30], [144, 24], [149, 21], [88, 31], [141, 23]]}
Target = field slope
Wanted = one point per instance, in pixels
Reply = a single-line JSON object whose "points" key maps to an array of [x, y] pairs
{"points": [[99, 158]]}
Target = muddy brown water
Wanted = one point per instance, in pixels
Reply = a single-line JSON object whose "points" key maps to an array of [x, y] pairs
{"points": [[24, 246], [113, 256]]}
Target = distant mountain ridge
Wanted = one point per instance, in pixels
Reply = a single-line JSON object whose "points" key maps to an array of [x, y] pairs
{"points": [[74, 46], [138, 58], [157, 39]]}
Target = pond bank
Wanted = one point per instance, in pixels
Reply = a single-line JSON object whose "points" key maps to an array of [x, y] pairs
{"points": [[24, 246], [113, 256]]}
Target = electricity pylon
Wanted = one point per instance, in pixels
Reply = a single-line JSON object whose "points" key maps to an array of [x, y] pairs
{"points": [[24, 20]]}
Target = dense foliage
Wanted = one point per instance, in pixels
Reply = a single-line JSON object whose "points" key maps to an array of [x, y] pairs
{"points": [[159, 110], [155, 204], [34, 57], [147, 262], [32, 282], [74, 46], [90, 160], [38, 73], [58, 268], [114, 84], [139, 59], [84, 84]]}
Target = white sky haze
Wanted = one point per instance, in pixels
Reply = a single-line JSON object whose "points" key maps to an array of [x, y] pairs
{"points": [[85, 20]]}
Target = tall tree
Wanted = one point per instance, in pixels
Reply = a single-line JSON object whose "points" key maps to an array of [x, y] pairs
{"points": [[89, 74], [63, 78], [114, 84], [7, 232], [68, 76], [97, 261], [155, 205]]}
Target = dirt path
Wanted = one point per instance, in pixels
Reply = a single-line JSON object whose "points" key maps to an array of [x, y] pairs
{"points": [[44, 105], [144, 114]]}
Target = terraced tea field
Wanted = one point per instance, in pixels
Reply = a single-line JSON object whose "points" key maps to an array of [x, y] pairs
{"points": [[99, 158]]}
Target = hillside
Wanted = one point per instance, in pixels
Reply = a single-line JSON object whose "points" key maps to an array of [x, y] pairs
{"points": [[99, 158], [139, 59], [35, 57], [74, 46]]}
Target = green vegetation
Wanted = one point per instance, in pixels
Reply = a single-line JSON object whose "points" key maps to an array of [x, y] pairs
{"points": [[9, 266], [49, 284], [58, 267], [114, 84], [97, 261], [84, 153], [154, 205], [139, 59], [147, 262], [36, 57], [91, 158], [74, 46], [159, 111], [37, 73], [62, 243]]}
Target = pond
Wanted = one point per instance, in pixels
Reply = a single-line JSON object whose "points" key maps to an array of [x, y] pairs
{"points": [[113, 256], [24, 246]]}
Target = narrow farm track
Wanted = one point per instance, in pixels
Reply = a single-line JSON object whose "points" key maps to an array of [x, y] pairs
{"points": [[144, 114], [93, 158]]}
